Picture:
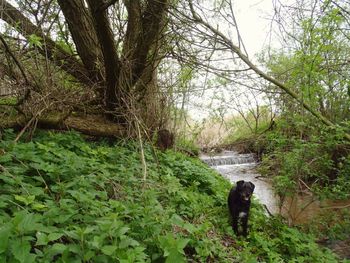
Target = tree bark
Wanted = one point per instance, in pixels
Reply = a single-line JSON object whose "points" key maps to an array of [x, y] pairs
{"points": [[84, 35], [112, 64], [94, 125], [142, 32], [151, 25]]}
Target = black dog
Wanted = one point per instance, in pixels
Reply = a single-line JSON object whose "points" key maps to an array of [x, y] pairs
{"points": [[239, 204]]}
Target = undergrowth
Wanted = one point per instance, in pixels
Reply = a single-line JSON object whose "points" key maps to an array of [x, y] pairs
{"points": [[63, 199], [320, 162]]}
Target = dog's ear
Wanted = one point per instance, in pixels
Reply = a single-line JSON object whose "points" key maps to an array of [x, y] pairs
{"points": [[252, 185], [240, 184]]}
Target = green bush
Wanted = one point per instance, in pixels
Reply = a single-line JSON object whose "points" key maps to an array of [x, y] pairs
{"points": [[321, 160]]}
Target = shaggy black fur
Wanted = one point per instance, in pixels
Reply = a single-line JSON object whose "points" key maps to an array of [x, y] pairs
{"points": [[239, 205]]}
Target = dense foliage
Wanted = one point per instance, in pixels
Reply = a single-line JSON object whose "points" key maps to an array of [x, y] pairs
{"points": [[63, 199], [318, 159]]}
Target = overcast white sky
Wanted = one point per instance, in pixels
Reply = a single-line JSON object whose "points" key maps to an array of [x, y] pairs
{"points": [[253, 18], [254, 22]]}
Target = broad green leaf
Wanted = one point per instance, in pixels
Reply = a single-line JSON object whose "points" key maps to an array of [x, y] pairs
{"points": [[5, 232], [74, 248], [21, 251], [128, 242], [39, 207], [56, 249], [175, 256], [177, 220], [173, 248], [98, 241], [88, 230], [54, 236], [72, 234], [89, 255], [109, 250], [6, 178], [26, 222], [122, 230], [41, 239], [4, 200], [189, 227], [27, 199], [6, 158]]}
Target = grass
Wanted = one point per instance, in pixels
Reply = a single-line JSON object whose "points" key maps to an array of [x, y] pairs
{"points": [[63, 199]]}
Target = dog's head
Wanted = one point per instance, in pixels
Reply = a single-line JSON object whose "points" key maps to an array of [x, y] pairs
{"points": [[245, 190]]}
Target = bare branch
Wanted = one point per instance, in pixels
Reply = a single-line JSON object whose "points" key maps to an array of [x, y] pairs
{"points": [[53, 51]]}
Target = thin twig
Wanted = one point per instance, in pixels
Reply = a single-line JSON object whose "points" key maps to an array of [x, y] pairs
{"points": [[143, 160], [19, 65], [305, 184], [336, 207]]}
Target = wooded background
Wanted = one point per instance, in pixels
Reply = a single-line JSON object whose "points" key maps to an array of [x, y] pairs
{"points": [[106, 67]]}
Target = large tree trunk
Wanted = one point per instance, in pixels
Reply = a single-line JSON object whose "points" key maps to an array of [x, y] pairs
{"points": [[110, 56], [128, 81], [138, 49], [142, 33]]}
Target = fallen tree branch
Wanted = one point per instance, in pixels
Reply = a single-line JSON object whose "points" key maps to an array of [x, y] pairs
{"points": [[93, 125]]}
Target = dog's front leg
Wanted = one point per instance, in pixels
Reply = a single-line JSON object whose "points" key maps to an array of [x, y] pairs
{"points": [[245, 225], [235, 225]]}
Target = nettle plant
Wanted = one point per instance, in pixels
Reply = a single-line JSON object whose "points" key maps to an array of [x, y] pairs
{"points": [[63, 199]]}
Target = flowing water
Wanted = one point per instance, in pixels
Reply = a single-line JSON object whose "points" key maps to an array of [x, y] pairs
{"points": [[297, 209], [235, 167]]}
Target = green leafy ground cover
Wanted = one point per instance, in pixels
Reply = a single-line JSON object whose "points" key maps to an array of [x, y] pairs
{"points": [[63, 199]]}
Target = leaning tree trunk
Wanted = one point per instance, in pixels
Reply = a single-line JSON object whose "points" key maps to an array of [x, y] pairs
{"points": [[84, 35], [50, 49]]}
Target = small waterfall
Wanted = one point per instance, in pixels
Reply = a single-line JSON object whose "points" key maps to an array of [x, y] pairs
{"points": [[228, 158]]}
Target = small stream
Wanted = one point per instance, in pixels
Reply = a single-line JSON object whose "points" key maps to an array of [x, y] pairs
{"points": [[297, 209]]}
